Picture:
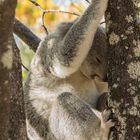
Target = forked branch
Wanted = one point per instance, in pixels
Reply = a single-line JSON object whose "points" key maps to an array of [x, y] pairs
{"points": [[50, 11]]}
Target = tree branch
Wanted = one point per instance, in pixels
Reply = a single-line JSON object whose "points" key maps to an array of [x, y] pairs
{"points": [[26, 35]]}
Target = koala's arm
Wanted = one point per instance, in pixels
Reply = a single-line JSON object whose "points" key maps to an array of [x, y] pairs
{"points": [[67, 54], [73, 119]]}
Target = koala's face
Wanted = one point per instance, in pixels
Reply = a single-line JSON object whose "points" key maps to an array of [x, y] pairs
{"points": [[95, 63]]}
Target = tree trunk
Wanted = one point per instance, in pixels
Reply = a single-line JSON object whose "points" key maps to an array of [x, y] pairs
{"points": [[17, 127], [12, 118], [124, 68]]}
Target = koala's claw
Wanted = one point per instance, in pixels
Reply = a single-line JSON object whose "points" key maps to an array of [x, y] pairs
{"points": [[106, 114], [109, 122]]}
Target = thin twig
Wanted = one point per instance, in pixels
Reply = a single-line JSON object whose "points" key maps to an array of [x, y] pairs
{"points": [[25, 67], [102, 22], [43, 23], [61, 11], [17, 59], [48, 11], [42, 15], [36, 4], [87, 1]]}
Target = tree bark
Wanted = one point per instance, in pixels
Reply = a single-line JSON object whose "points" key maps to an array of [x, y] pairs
{"points": [[17, 119], [124, 68], [12, 118], [7, 10]]}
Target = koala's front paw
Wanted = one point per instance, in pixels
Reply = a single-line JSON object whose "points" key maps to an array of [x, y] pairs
{"points": [[102, 102], [106, 124]]}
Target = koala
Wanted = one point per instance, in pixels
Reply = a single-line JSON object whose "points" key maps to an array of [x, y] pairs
{"points": [[66, 79]]}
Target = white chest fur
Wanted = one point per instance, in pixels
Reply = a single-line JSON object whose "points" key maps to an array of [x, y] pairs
{"points": [[42, 97]]}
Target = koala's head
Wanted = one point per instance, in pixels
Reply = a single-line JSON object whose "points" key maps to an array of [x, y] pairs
{"points": [[95, 63]]}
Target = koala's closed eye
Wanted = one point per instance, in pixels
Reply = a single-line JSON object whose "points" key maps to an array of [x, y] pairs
{"points": [[98, 60]]}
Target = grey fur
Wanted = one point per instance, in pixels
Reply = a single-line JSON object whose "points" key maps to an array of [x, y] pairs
{"points": [[59, 95]]}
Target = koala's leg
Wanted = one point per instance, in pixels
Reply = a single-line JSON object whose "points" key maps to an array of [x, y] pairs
{"points": [[73, 119]]}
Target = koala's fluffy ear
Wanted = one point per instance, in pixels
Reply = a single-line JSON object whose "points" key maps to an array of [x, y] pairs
{"points": [[99, 43]]}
